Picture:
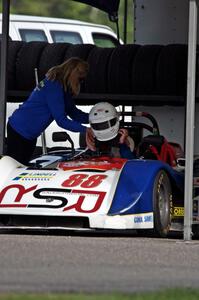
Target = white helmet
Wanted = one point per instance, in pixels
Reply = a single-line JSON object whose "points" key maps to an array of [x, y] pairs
{"points": [[104, 121]]}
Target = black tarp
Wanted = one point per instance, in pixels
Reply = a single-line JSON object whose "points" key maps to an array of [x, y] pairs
{"points": [[109, 6]]}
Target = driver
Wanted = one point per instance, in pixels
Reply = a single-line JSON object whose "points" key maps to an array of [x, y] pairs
{"points": [[109, 137]]}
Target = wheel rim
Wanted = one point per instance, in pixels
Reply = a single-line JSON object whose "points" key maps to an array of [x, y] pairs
{"points": [[163, 205], [162, 197]]}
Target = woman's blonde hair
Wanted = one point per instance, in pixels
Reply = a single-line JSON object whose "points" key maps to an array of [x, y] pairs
{"points": [[69, 73]]}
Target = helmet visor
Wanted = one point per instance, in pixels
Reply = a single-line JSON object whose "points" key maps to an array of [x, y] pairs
{"points": [[104, 125]]}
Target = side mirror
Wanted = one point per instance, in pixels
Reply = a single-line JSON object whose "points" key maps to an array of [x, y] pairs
{"points": [[60, 136]]}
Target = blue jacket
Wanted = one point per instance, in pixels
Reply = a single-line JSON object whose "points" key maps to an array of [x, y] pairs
{"points": [[107, 147], [48, 102], [125, 152]]}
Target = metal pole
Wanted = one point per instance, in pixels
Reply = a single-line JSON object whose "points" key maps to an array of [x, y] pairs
{"points": [[3, 72], [190, 119], [43, 136], [125, 20]]}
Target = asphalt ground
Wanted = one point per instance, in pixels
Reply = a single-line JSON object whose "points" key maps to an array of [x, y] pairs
{"points": [[88, 263]]}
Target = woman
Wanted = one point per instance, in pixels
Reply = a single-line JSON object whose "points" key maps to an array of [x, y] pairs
{"points": [[51, 100]]}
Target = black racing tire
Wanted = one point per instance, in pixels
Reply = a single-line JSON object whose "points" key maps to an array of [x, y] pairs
{"points": [[162, 201], [98, 60], [172, 70], [52, 55], [13, 49], [120, 69], [80, 50], [27, 61], [144, 70]]}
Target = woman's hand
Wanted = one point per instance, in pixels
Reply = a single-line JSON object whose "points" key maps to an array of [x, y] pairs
{"points": [[90, 139], [126, 139], [124, 134]]}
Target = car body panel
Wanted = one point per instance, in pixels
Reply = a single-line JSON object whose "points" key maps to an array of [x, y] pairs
{"points": [[112, 193]]}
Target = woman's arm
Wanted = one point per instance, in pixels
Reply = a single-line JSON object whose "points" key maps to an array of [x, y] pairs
{"points": [[74, 112], [55, 100]]}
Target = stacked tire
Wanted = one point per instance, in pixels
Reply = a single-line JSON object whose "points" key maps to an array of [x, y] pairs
{"points": [[125, 70]]}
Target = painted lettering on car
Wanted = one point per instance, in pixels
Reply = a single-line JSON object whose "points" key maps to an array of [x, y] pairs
{"points": [[49, 195]]}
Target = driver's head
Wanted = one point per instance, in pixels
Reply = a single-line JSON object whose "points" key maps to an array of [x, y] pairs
{"points": [[104, 121]]}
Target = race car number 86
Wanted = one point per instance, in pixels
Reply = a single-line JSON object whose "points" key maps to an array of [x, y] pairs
{"points": [[85, 181]]}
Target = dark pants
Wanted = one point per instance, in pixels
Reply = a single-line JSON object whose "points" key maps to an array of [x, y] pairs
{"points": [[18, 147]]}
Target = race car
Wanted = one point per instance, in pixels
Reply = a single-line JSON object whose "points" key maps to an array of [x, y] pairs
{"points": [[83, 190]]}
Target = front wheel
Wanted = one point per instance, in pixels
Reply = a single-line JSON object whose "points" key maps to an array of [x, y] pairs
{"points": [[162, 201]]}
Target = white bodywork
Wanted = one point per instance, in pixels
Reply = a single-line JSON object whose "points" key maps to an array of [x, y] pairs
{"points": [[66, 191]]}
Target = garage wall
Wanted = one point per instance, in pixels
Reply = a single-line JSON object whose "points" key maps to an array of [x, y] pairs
{"points": [[161, 21]]}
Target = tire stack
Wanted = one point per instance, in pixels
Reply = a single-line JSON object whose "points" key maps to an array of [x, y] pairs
{"points": [[126, 69], [97, 79], [13, 50], [144, 69], [28, 58], [120, 69], [171, 73]]}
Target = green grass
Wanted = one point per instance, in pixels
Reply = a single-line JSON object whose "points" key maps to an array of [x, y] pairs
{"points": [[174, 294]]}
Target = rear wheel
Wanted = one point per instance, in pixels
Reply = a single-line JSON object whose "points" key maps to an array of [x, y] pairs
{"points": [[162, 197]]}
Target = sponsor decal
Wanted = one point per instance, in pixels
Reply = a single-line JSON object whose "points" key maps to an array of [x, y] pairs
{"points": [[98, 163], [39, 86], [19, 192], [53, 198], [50, 197], [138, 219], [143, 219], [76, 192], [79, 205], [44, 176], [178, 211]]}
